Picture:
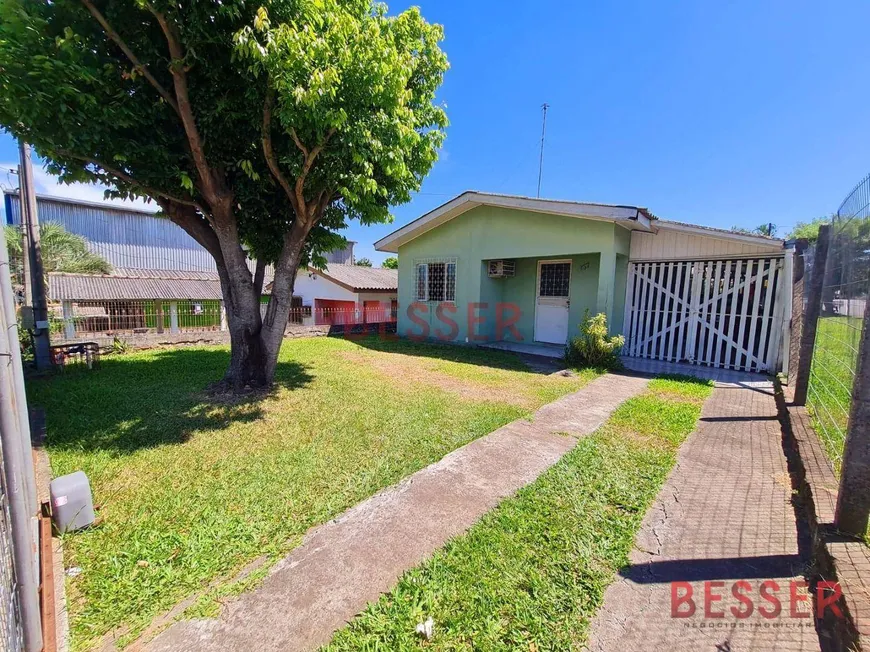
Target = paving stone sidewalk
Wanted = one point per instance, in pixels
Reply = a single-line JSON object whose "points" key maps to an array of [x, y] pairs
{"points": [[724, 515], [347, 563]]}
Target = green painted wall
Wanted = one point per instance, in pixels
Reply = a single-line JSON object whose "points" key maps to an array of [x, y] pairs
{"points": [[618, 314], [583, 288], [596, 249]]}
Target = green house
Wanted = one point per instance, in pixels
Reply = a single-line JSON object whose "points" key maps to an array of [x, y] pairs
{"points": [[517, 272]]}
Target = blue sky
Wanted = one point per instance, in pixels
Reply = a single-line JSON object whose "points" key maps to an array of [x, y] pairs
{"points": [[721, 114]]}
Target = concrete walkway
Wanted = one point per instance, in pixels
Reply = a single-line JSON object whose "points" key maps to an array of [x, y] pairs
{"points": [[347, 563], [724, 515]]}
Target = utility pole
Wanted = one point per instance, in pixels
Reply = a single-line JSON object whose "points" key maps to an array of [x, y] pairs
{"points": [[25, 241], [36, 279], [544, 108]]}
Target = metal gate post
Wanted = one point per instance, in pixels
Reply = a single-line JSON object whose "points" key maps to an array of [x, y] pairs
{"points": [[786, 283], [853, 499], [811, 316]]}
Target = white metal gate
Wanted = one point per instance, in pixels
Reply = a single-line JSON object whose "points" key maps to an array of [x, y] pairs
{"points": [[721, 313]]}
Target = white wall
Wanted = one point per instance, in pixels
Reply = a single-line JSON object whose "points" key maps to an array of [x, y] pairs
{"points": [[383, 297], [311, 286], [319, 287]]}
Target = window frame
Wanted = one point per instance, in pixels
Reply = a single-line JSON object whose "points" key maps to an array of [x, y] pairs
{"points": [[449, 287]]}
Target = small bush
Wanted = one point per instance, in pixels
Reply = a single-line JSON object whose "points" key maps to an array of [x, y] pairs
{"points": [[593, 348], [120, 347], [25, 341]]}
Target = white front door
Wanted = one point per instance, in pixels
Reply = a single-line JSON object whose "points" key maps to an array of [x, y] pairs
{"points": [[551, 303]]}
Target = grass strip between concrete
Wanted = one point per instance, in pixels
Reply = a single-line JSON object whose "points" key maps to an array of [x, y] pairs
{"points": [[532, 573]]}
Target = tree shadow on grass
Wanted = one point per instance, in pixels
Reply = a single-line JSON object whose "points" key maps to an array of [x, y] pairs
{"points": [[492, 358], [146, 400]]}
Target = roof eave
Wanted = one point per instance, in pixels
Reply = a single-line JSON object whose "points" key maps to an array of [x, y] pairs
{"points": [[720, 234], [629, 217]]}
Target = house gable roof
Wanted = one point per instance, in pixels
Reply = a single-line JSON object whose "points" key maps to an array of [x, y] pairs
{"points": [[358, 279], [630, 217], [634, 218]]}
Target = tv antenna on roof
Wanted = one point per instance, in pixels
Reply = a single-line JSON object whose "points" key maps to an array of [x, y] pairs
{"points": [[544, 108]]}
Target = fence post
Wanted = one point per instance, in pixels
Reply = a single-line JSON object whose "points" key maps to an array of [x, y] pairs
{"points": [[811, 316], [158, 308], [853, 498], [173, 316], [796, 324], [223, 316], [18, 489], [69, 324], [787, 280]]}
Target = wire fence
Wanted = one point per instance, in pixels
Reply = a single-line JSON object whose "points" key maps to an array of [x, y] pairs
{"points": [[10, 617], [85, 320], [844, 296]]}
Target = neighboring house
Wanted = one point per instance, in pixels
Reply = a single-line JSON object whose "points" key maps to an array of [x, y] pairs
{"points": [[520, 273], [343, 294], [163, 280]]}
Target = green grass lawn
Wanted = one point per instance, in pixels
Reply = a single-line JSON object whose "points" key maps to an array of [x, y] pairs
{"points": [[532, 573], [835, 358], [191, 491]]}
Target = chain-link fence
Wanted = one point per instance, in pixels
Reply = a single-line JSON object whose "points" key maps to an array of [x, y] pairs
{"points": [[844, 296], [20, 618], [10, 618]]}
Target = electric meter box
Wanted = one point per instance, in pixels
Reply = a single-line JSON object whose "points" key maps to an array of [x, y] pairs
{"points": [[72, 505]]}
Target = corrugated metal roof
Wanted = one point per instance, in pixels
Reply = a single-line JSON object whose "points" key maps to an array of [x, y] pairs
{"points": [[175, 274], [136, 284], [363, 278], [88, 287]]}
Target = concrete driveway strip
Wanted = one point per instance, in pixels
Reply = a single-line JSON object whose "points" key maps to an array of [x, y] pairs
{"points": [[343, 565], [724, 516]]}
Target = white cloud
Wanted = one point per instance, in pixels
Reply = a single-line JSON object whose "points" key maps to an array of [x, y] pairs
{"points": [[47, 184]]}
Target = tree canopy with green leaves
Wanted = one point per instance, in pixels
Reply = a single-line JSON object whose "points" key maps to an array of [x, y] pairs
{"points": [[391, 262], [363, 262], [808, 230], [259, 129]]}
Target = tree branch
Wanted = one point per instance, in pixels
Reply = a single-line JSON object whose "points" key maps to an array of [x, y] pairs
{"points": [[269, 152], [259, 277], [195, 225], [322, 202], [154, 193], [212, 188], [298, 142], [310, 157], [140, 67]]}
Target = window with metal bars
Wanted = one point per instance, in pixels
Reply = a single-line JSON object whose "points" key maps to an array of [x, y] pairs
{"points": [[436, 280], [555, 279]]}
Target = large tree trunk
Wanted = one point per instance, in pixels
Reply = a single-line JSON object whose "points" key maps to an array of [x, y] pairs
{"points": [[255, 342], [248, 359]]}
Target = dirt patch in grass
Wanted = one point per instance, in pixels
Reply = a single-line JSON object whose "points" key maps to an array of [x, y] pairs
{"points": [[401, 369]]}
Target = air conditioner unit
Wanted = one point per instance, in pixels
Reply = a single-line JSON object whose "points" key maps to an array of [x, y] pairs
{"points": [[501, 268]]}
